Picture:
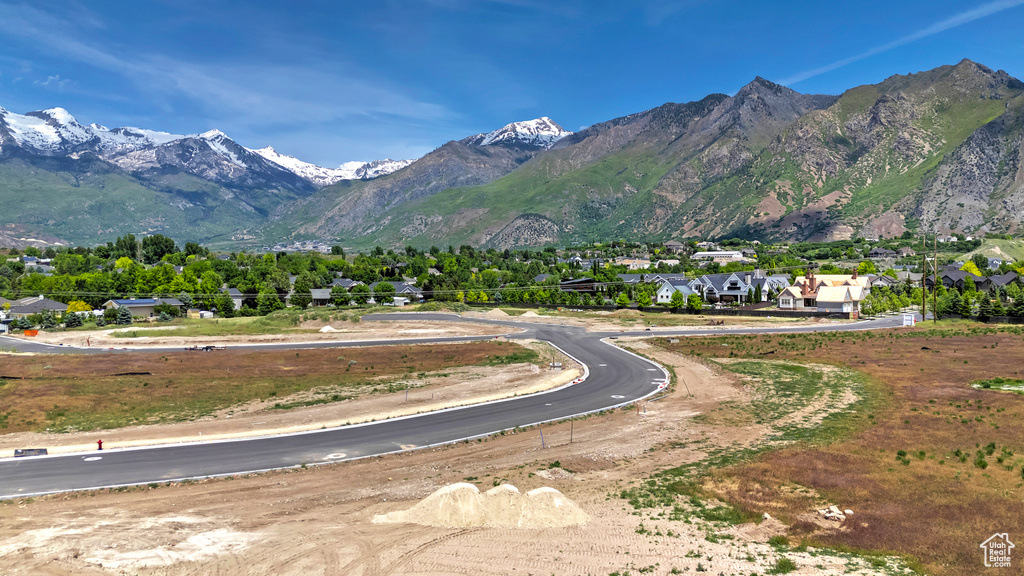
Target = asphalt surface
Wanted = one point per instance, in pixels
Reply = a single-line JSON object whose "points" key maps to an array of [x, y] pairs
{"points": [[614, 377]]}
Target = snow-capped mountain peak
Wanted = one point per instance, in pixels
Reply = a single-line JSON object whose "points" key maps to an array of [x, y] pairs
{"points": [[60, 115], [213, 135], [541, 132], [55, 132], [325, 176]]}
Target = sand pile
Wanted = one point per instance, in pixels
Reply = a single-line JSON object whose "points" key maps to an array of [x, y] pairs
{"points": [[329, 328], [496, 313], [530, 314], [462, 505]]}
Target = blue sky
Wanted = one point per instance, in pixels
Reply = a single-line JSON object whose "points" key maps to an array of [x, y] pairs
{"points": [[330, 81]]}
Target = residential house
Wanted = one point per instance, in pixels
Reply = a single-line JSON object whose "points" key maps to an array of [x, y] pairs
{"points": [[952, 279], [320, 296], [674, 246], [345, 283], [806, 291], [670, 287], [142, 307], [634, 263], [840, 299], [236, 297], [720, 256], [706, 245], [31, 305], [905, 252], [881, 253], [735, 287], [581, 285]]}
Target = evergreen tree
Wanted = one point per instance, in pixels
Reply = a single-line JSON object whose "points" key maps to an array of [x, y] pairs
{"points": [[1018, 308], [72, 320], [48, 321], [964, 309], [124, 316], [225, 305], [758, 295], [997, 307], [186, 299], [984, 309]]}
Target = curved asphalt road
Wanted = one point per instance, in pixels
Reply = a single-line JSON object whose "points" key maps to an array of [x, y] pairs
{"points": [[614, 377]]}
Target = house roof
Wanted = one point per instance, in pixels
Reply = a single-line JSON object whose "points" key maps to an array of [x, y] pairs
{"points": [[840, 294], [35, 305], [320, 293]]}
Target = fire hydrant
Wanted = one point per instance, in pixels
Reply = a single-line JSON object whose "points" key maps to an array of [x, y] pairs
{"points": [[99, 444]]}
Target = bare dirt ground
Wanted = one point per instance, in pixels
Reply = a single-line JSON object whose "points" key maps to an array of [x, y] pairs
{"points": [[319, 520], [622, 320], [435, 391], [342, 332]]}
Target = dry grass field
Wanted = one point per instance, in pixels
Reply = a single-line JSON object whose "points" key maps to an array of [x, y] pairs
{"points": [[931, 465], [86, 392]]}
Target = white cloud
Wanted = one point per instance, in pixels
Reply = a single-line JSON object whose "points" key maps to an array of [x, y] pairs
{"points": [[319, 90], [947, 24]]}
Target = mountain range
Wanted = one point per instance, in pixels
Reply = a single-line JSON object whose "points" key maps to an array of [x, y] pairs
{"points": [[937, 151]]}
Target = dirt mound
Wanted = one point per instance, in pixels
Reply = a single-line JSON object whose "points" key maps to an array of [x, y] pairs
{"points": [[462, 505], [329, 328], [530, 314], [496, 313]]}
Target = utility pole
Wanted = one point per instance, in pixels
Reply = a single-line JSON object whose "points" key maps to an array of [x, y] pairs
{"points": [[935, 280], [924, 275]]}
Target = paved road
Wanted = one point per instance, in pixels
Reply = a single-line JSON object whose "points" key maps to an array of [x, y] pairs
{"points": [[614, 377]]}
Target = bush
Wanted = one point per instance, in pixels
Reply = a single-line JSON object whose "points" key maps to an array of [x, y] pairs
{"points": [[782, 566], [72, 320]]}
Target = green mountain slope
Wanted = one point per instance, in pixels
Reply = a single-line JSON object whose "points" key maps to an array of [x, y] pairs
{"points": [[936, 150]]}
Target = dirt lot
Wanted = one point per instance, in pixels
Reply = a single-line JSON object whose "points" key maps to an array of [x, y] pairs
{"points": [[339, 332], [629, 319], [936, 467], [318, 521]]}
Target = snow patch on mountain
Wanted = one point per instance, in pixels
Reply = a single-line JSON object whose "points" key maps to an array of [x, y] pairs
{"points": [[55, 132], [322, 176], [541, 132]]}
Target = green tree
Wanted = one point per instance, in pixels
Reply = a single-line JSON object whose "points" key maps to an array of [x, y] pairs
{"points": [[383, 292], [866, 267], [124, 316], [964, 309], [984, 308], [72, 320], [186, 299], [980, 262], [622, 301], [694, 303], [677, 301], [337, 251], [225, 305], [360, 293], [758, 294], [156, 247], [48, 320], [969, 286], [643, 300], [339, 296], [268, 302]]}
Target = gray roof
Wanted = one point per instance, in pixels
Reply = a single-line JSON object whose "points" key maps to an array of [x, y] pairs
{"points": [[321, 293]]}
